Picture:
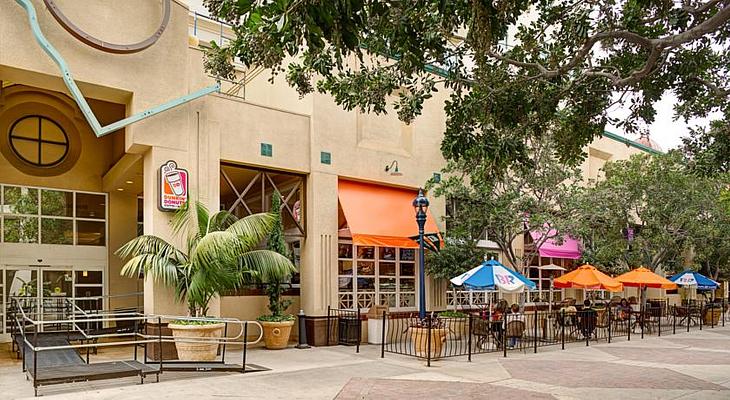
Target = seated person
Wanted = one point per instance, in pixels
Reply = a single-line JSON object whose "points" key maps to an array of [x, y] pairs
{"points": [[515, 315], [588, 316], [623, 310]]}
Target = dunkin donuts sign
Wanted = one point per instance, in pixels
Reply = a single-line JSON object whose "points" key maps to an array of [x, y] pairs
{"points": [[173, 187]]}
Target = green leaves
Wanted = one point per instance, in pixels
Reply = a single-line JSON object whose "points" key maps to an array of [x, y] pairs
{"points": [[221, 255]]}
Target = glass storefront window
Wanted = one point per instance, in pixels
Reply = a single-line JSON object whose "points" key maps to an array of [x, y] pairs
{"points": [[57, 203], [57, 231], [370, 275], [20, 229], [90, 206], [90, 233], [20, 200], [89, 277]]}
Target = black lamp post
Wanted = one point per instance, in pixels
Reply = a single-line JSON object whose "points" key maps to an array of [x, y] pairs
{"points": [[420, 204]]}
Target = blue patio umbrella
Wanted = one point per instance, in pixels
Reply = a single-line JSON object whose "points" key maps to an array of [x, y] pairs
{"points": [[691, 278], [492, 275]]}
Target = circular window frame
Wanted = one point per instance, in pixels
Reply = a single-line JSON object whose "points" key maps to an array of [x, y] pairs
{"points": [[39, 142], [34, 108]]}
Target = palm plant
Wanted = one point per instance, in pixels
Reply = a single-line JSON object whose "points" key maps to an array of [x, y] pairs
{"points": [[221, 254]]}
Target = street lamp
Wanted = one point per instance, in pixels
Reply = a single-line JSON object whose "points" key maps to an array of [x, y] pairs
{"points": [[420, 204]]}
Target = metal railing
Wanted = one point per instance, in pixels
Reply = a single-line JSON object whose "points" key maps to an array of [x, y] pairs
{"points": [[344, 327], [439, 337]]}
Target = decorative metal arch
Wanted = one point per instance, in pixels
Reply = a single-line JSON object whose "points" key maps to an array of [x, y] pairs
{"points": [[98, 44]]}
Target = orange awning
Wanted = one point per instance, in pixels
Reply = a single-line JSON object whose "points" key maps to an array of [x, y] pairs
{"points": [[381, 215], [588, 277], [642, 277]]}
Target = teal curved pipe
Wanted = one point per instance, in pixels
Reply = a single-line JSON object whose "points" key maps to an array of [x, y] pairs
{"points": [[78, 97]]}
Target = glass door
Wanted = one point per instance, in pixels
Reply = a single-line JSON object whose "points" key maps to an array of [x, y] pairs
{"points": [[57, 285], [20, 282]]}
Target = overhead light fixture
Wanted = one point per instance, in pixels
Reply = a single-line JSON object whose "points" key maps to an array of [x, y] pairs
{"points": [[85, 274], [129, 182], [393, 168], [120, 189]]}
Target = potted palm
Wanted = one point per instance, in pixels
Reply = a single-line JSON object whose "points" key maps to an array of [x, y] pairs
{"points": [[221, 253], [278, 324]]}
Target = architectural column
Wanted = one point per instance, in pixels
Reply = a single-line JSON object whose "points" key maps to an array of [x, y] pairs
{"points": [[319, 250]]}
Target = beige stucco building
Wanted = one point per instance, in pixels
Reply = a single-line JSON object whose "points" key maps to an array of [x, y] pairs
{"points": [[70, 199]]}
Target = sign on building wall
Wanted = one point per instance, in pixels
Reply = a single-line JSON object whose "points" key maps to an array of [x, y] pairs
{"points": [[173, 187]]}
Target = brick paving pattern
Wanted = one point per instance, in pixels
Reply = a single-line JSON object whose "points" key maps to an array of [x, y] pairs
{"points": [[391, 389], [675, 357], [576, 374]]}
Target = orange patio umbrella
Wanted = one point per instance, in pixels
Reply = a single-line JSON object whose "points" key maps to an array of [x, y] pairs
{"points": [[642, 277], [588, 277]]}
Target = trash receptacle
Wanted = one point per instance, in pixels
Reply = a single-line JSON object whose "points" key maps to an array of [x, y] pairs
{"points": [[348, 330], [375, 324]]}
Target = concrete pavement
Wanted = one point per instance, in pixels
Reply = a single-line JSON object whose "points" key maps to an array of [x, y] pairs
{"points": [[684, 366]]}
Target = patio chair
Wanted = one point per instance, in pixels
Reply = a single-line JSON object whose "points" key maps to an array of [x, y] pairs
{"points": [[516, 330], [566, 322], [602, 321], [482, 333]]}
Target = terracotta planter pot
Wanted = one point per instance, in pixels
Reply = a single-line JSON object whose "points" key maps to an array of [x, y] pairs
{"points": [[712, 316], [420, 341], [188, 349], [276, 334], [457, 327]]}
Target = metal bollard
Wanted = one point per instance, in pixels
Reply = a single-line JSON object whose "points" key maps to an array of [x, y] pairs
{"points": [[302, 331]]}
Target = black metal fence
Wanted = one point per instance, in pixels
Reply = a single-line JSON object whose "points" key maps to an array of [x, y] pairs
{"points": [[454, 334]]}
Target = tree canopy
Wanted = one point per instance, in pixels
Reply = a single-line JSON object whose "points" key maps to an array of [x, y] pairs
{"points": [[514, 69]]}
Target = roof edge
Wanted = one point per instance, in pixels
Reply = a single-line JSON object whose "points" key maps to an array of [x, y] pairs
{"points": [[629, 142]]}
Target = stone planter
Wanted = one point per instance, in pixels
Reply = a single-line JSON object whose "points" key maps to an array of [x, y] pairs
{"points": [[712, 315], [421, 344], [187, 347], [276, 334]]}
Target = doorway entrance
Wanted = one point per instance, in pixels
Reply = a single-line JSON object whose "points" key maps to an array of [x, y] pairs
{"points": [[48, 292]]}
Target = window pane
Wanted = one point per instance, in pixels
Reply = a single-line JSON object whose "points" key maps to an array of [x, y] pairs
{"points": [[51, 131], [57, 203], [407, 254], [90, 206], [366, 252], [26, 149], [386, 284], [407, 284], [57, 283], [345, 283], [366, 284], [20, 200], [90, 233], [89, 277], [407, 269], [344, 267], [20, 229], [407, 299], [57, 231], [82, 291], [52, 154], [344, 250], [26, 128], [387, 253], [387, 269], [388, 299], [365, 268]]}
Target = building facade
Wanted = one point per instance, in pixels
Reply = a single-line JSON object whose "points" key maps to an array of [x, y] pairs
{"points": [[70, 199]]}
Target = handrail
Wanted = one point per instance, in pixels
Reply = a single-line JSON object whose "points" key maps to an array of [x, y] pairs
{"points": [[78, 97]]}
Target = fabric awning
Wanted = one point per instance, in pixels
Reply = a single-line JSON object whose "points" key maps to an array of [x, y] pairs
{"points": [[381, 215], [569, 249]]}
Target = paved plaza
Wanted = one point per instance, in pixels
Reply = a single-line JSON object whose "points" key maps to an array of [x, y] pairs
{"points": [[683, 366]]}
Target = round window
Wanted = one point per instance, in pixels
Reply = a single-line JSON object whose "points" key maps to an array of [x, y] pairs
{"points": [[39, 141]]}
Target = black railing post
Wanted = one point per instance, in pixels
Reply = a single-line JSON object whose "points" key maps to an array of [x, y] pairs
{"points": [[225, 336], [642, 315], [469, 338], [703, 309], [712, 316], [382, 337], [245, 346], [562, 329], [722, 312], [688, 317], [301, 320], [35, 355], [428, 341], [610, 322], [674, 320], [359, 331], [534, 333], [327, 343], [628, 326], [661, 313]]}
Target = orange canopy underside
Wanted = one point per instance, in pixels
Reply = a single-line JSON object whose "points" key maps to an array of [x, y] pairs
{"points": [[642, 277], [381, 215], [588, 277]]}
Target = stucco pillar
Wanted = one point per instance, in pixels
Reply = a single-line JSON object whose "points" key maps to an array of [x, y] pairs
{"points": [[319, 249], [122, 228]]}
